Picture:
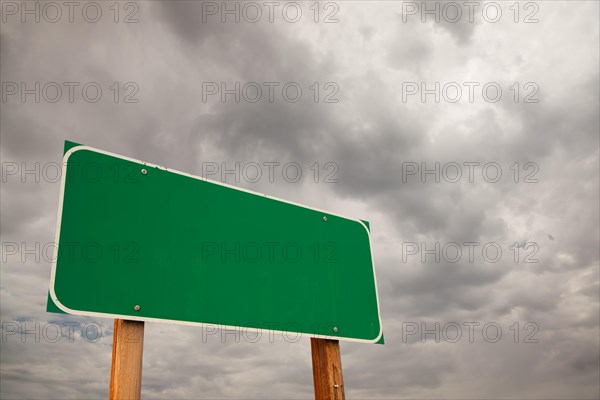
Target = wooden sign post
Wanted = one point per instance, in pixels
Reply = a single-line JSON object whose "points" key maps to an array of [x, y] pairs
{"points": [[327, 369], [126, 371]]}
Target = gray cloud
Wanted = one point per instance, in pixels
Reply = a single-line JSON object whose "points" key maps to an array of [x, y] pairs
{"points": [[371, 135]]}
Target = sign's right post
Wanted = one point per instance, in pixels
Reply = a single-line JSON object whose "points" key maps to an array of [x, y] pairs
{"points": [[327, 369]]}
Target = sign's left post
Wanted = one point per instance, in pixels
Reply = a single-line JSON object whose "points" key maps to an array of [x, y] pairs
{"points": [[128, 349]]}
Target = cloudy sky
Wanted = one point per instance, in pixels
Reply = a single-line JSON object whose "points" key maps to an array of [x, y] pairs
{"points": [[476, 125]]}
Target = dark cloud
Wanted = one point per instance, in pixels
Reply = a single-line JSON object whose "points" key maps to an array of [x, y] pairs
{"points": [[371, 134]]}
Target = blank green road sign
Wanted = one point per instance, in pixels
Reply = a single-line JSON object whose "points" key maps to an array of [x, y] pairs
{"points": [[141, 242]]}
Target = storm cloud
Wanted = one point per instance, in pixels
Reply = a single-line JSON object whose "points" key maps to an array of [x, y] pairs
{"points": [[403, 117]]}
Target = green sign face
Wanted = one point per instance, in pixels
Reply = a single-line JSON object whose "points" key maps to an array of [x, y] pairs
{"points": [[141, 242]]}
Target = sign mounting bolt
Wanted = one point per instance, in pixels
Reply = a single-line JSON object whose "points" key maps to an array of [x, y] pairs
{"points": [[325, 218], [144, 172], [137, 307], [335, 329]]}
